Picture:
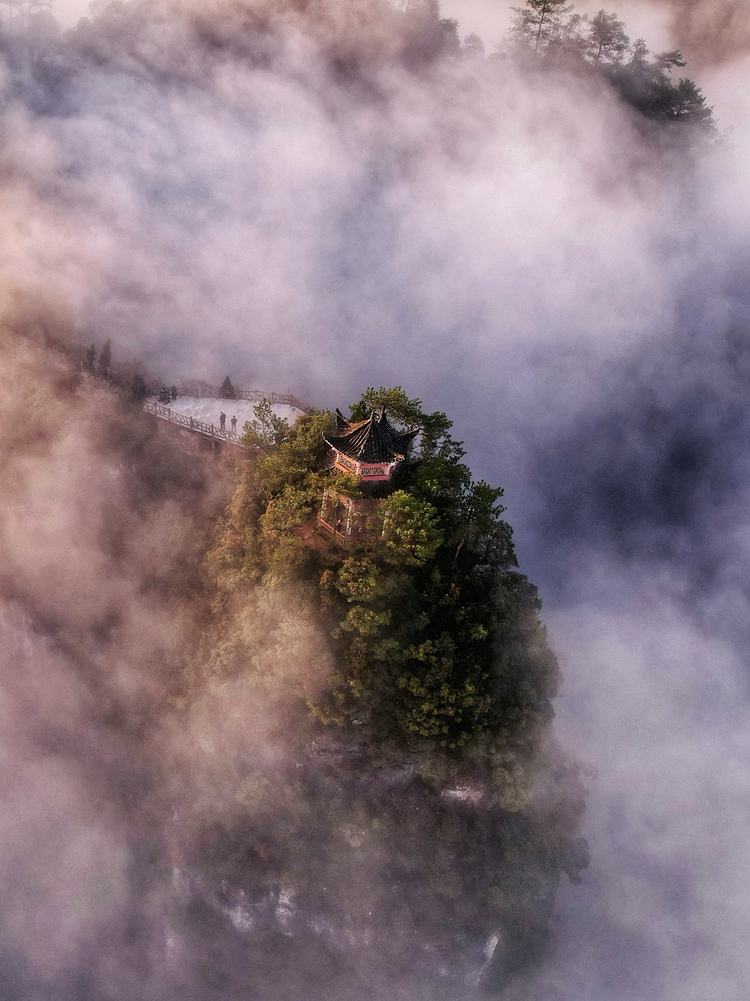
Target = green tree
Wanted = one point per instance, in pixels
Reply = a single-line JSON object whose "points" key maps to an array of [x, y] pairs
{"points": [[227, 390], [266, 431], [646, 84], [473, 46], [689, 105], [411, 528], [278, 489], [639, 53], [138, 387], [666, 61], [538, 23], [428, 35], [607, 38]]}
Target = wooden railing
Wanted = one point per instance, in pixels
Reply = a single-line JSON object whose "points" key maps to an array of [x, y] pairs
{"points": [[257, 395], [196, 387], [191, 423]]}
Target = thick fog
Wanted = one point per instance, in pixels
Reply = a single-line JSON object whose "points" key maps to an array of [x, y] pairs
{"points": [[509, 247]]}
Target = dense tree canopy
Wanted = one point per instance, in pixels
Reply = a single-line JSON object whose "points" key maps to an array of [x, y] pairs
{"points": [[550, 32], [421, 614]]}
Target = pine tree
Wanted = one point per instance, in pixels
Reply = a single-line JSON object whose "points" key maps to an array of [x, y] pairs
{"points": [[608, 38], [539, 22]]}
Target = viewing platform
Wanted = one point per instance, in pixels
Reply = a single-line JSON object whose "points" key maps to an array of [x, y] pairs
{"points": [[202, 414]]}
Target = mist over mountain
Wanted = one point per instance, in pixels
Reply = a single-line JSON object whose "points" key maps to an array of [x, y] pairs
{"points": [[320, 197]]}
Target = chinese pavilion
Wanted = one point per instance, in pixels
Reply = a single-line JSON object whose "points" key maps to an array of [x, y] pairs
{"points": [[370, 449]]}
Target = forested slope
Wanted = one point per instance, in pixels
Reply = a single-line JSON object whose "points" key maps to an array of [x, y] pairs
{"points": [[409, 680]]}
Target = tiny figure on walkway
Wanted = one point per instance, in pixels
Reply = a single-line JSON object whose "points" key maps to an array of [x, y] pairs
{"points": [[222, 420], [233, 422]]}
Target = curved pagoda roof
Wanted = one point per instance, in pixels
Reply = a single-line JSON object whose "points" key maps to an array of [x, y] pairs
{"points": [[372, 440]]}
